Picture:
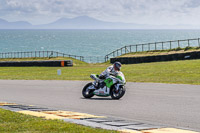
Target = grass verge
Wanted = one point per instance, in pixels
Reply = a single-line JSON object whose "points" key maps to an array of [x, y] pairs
{"points": [[161, 52], [181, 72], [75, 61], [16, 122]]}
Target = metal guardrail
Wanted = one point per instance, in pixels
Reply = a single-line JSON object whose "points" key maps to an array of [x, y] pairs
{"points": [[99, 59], [51, 54], [153, 46], [38, 54]]}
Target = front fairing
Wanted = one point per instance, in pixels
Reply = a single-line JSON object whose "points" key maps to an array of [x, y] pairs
{"points": [[121, 78]]}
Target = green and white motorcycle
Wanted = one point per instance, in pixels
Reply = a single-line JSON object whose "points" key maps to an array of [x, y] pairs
{"points": [[113, 86]]}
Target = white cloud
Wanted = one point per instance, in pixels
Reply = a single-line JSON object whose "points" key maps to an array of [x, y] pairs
{"points": [[134, 11]]}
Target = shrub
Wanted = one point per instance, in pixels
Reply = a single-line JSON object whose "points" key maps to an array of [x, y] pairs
{"points": [[187, 48]]}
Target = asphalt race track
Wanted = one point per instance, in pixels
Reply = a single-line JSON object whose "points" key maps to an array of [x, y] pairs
{"points": [[171, 105]]}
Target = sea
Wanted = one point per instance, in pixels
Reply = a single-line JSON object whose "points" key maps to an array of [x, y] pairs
{"points": [[87, 43]]}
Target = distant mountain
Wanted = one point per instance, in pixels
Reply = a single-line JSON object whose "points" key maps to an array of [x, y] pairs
{"points": [[14, 25], [85, 22]]}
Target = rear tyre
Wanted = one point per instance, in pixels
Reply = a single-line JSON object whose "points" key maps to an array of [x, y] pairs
{"points": [[117, 94], [86, 92]]}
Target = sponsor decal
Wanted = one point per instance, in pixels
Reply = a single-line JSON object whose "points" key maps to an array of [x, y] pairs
{"points": [[101, 92]]}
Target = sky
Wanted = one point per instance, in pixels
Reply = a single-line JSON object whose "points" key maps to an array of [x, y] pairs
{"points": [[156, 12]]}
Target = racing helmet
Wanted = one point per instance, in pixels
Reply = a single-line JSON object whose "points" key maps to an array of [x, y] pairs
{"points": [[117, 66]]}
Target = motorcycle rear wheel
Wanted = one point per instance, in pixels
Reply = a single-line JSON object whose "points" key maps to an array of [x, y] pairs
{"points": [[119, 94], [87, 93]]}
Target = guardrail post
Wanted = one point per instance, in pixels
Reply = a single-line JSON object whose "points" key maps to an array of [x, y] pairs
{"points": [[82, 58], [142, 47], [178, 44], [149, 46], [136, 48], [170, 44]]}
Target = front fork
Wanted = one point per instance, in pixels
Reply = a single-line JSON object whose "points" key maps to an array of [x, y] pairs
{"points": [[117, 87], [95, 83]]}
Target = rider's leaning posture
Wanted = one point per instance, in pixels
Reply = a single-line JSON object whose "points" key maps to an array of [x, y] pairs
{"points": [[111, 70]]}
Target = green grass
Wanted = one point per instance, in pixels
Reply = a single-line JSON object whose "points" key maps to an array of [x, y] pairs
{"points": [[13, 122], [159, 52], [181, 72], [75, 61]]}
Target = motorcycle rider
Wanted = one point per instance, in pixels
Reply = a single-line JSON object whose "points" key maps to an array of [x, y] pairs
{"points": [[111, 70]]}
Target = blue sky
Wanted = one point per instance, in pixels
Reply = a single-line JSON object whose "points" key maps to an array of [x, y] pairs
{"points": [[157, 12]]}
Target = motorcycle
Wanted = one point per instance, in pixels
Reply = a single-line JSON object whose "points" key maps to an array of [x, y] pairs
{"points": [[113, 86]]}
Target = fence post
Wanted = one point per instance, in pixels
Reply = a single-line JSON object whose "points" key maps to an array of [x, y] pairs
{"points": [[188, 43], [142, 47], [82, 58], [170, 44], [52, 53], [162, 46], [155, 46], [121, 51], [149, 46], [130, 48], [198, 42], [125, 49], [136, 48], [178, 44]]}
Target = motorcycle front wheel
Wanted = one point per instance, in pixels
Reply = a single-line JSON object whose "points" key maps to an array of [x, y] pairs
{"points": [[117, 94], [86, 92]]}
